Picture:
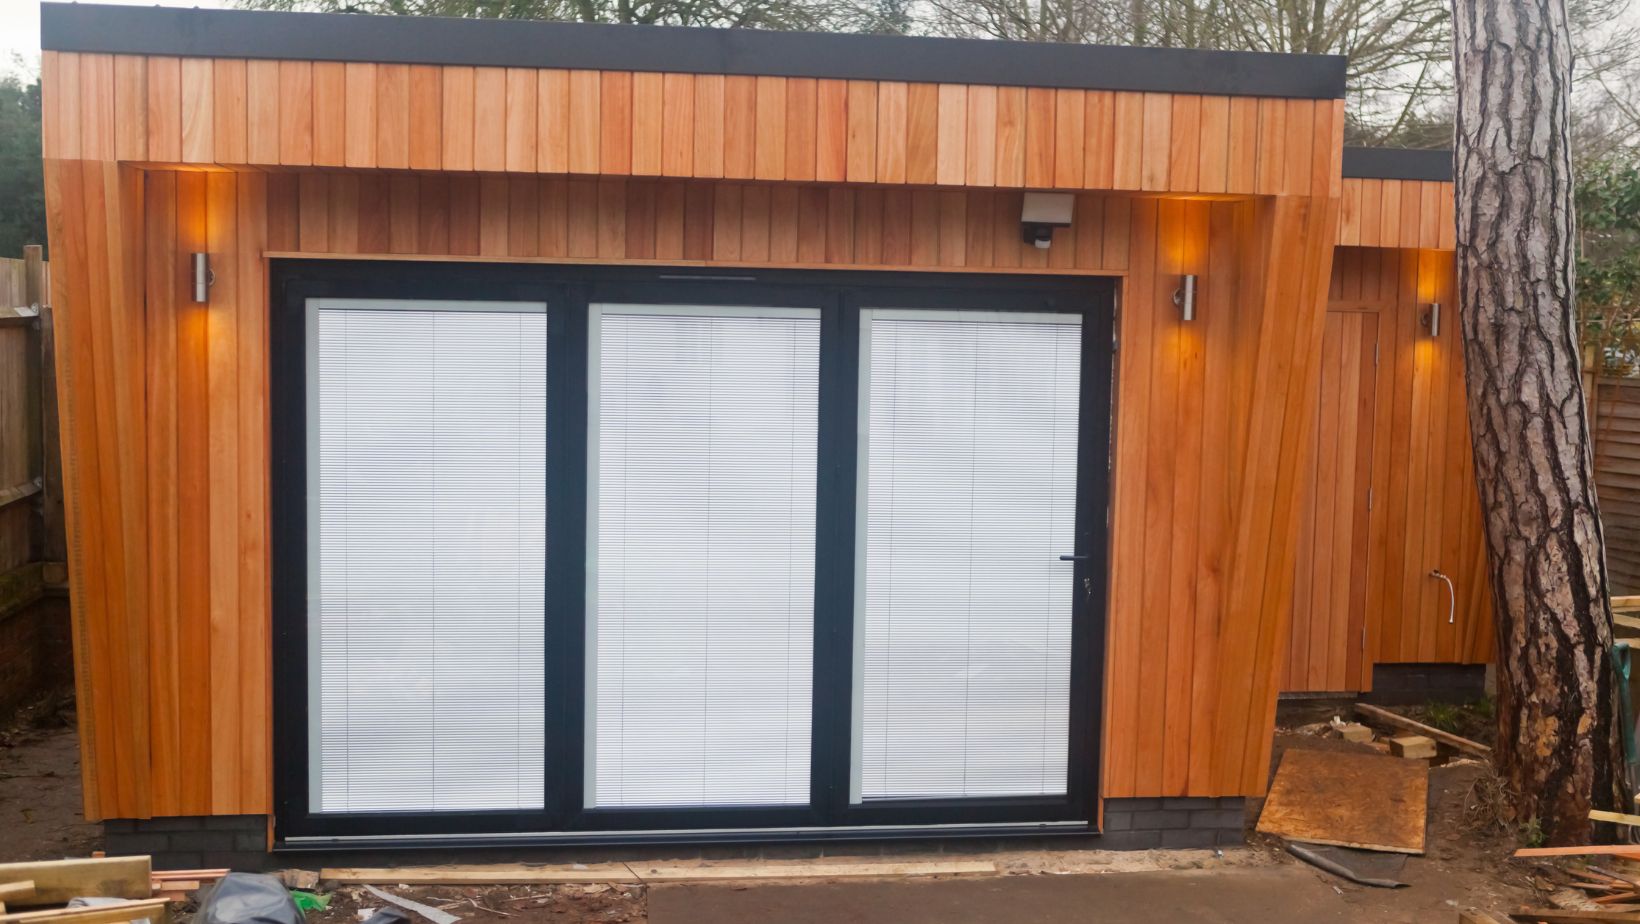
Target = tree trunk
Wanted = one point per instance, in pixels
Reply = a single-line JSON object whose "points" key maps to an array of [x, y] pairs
{"points": [[1559, 737]]}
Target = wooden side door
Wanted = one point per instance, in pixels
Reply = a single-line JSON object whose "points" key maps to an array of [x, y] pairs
{"points": [[1327, 635]]}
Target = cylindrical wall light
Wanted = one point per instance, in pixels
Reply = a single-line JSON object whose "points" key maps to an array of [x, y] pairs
{"points": [[1432, 319], [1185, 297], [203, 277]]}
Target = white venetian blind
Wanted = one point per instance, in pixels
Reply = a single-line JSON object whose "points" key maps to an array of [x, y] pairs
{"points": [[701, 533], [427, 546], [967, 473]]}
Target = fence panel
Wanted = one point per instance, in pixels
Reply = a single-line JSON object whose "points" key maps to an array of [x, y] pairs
{"points": [[1616, 426]]}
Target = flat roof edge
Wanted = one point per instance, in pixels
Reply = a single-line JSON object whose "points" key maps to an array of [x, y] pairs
{"points": [[1398, 164], [110, 29]]}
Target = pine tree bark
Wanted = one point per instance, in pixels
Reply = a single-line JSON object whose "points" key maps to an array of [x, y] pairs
{"points": [[1559, 739]]}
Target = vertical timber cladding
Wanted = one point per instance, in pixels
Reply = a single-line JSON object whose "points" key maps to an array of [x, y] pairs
{"points": [[1395, 236], [1426, 513], [170, 563]]}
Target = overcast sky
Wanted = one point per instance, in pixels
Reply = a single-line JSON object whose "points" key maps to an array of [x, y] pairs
{"points": [[20, 27]]}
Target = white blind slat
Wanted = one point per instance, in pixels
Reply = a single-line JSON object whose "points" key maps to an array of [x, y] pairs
{"points": [[967, 499], [427, 549], [700, 620]]}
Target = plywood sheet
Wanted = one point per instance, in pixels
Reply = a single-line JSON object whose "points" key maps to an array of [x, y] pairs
{"points": [[1348, 799]]}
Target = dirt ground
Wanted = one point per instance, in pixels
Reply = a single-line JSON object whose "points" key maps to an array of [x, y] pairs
{"points": [[40, 817], [40, 813]]}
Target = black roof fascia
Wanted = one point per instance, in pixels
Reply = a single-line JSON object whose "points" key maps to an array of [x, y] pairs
{"points": [[519, 43], [1398, 164]]}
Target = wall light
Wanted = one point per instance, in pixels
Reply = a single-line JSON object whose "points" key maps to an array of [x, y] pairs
{"points": [[1042, 213], [1185, 297], [204, 278], [1432, 319]]}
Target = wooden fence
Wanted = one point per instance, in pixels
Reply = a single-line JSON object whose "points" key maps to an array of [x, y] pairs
{"points": [[1616, 427], [33, 545]]}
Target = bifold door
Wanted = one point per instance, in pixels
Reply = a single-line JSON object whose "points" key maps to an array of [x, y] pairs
{"points": [[573, 554]]}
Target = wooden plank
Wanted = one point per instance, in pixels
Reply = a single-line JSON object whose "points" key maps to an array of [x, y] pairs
{"points": [[16, 891], [1617, 818], [1631, 851], [97, 132], [164, 108], [1156, 145], [57, 881], [863, 97], [329, 113], [1400, 721], [489, 119], [980, 156], [647, 123], [585, 114], [1272, 133], [951, 135], [263, 118], [709, 125], [678, 125], [552, 109], [813, 870], [295, 113], [153, 909], [1128, 507], [893, 100], [522, 110], [131, 108], [393, 116], [922, 113], [426, 108], [499, 874], [164, 272], [1099, 140], [832, 131], [359, 129], [1364, 801], [1185, 144], [769, 129], [254, 637], [739, 139], [525, 875], [801, 104], [194, 738], [1040, 109], [1242, 152], [1010, 132], [1213, 146], [198, 137], [223, 490], [615, 123], [1070, 121], [65, 93], [1552, 916]]}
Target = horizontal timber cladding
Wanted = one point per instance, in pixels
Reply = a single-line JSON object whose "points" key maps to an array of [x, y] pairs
{"points": [[301, 113], [1426, 513]]}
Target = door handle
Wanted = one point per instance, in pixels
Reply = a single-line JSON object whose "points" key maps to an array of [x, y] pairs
{"points": [[1073, 558]]}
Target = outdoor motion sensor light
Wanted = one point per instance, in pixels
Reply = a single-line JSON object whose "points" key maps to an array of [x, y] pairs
{"points": [[203, 277], [1043, 213], [1185, 297], [1432, 319]]}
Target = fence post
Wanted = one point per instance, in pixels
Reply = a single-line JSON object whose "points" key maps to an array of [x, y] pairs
{"points": [[51, 540]]}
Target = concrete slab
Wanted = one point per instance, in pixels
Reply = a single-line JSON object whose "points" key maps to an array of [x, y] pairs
{"points": [[1279, 894]]}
